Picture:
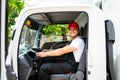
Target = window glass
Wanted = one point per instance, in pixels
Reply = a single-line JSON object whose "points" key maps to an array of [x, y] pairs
{"points": [[27, 39], [54, 33]]}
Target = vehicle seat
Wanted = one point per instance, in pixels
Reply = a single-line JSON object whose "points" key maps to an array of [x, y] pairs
{"points": [[81, 71], [79, 75], [85, 33]]}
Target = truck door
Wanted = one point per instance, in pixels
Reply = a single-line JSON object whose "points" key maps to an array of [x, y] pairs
{"points": [[4, 45], [3, 38]]}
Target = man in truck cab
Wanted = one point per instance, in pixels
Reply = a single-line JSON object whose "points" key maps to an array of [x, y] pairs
{"points": [[63, 67]]}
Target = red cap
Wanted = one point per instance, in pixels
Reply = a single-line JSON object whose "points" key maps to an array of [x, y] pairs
{"points": [[73, 25]]}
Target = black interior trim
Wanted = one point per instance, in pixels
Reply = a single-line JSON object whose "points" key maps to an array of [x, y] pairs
{"points": [[0, 35], [6, 28], [110, 39]]}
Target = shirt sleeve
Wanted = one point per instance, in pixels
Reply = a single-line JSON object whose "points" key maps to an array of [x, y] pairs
{"points": [[76, 43]]}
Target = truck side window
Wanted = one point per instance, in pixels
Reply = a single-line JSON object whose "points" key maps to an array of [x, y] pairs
{"points": [[26, 39]]}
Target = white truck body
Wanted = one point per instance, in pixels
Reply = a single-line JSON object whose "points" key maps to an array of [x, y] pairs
{"points": [[111, 11], [96, 52], [2, 37]]}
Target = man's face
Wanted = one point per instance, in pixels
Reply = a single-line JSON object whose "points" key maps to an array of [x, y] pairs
{"points": [[73, 32]]}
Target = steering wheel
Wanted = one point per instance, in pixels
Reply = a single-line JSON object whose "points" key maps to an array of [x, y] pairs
{"points": [[35, 50], [59, 44], [32, 52]]}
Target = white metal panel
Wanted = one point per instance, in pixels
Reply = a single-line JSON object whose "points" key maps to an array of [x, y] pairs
{"points": [[117, 68], [111, 10], [3, 70], [96, 45], [57, 2]]}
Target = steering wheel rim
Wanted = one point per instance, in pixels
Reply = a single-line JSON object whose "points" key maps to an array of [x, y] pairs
{"points": [[59, 44]]}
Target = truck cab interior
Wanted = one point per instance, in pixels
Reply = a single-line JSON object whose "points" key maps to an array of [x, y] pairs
{"points": [[49, 31]]}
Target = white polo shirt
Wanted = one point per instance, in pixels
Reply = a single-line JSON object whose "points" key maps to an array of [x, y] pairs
{"points": [[79, 44]]}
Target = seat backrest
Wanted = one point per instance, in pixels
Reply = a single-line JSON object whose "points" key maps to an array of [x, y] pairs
{"points": [[81, 71], [82, 62], [85, 33]]}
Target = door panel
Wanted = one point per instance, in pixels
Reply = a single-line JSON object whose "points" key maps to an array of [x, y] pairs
{"points": [[3, 43]]}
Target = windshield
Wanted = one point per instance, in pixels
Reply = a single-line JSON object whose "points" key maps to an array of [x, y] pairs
{"points": [[52, 34]]}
